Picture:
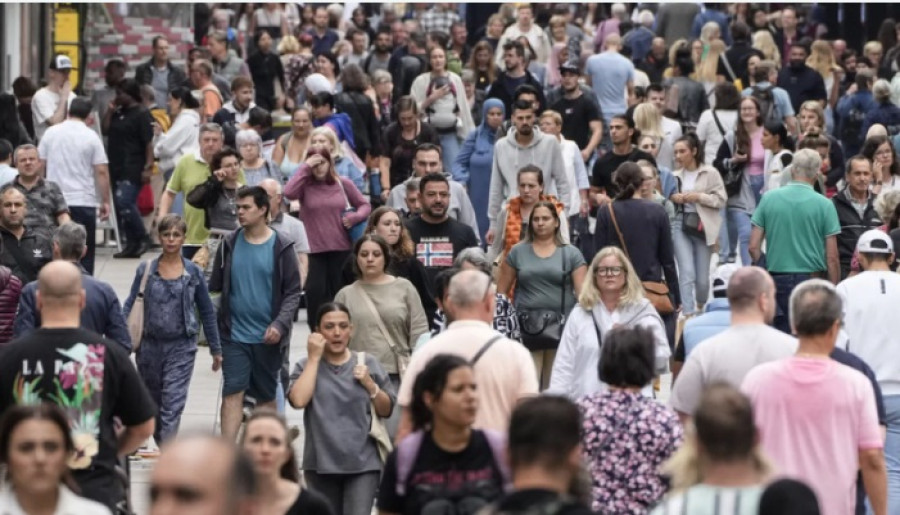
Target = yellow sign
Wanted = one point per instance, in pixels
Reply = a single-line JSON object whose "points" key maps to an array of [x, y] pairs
{"points": [[67, 38]]}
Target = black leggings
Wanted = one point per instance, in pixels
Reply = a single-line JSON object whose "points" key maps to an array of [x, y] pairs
{"points": [[325, 270]]}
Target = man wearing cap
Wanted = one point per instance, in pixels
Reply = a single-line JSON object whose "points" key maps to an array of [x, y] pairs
{"points": [[747, 342], [582, 119], [870, 301], [46, 107], [855, 209], [716, 315]]}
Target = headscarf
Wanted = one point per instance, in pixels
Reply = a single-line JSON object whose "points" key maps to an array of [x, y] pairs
{"points": [[487, 135], [553, 75]]}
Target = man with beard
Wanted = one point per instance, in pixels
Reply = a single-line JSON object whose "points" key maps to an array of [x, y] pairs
{"points": [[24, 250], [800, 81], [621, 133], [656, 62], [380, 56], [582, 119], [438, 238], [516, 74]]}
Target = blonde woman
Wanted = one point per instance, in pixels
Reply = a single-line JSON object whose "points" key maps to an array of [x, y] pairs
{"points": [[611, 296], [680, 43], [709, 66], [821, 59], [765, 43], [324, 137], [648, 120], [710, 32]]}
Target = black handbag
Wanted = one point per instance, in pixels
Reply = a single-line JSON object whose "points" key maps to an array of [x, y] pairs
{"points": [[542, 329], [692, 225]]}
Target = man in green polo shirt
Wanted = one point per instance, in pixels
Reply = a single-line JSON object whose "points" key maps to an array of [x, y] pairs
{"points": [[191, 171], [800, 227]]}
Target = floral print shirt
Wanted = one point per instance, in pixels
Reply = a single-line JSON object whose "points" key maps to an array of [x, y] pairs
{"points": [[626, 437]]}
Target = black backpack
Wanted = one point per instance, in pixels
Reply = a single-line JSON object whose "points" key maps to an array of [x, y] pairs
{"points": [[766, 98], [851, 125]]}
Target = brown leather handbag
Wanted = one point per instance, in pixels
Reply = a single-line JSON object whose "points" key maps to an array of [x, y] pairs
{"points": [[657, 292]]}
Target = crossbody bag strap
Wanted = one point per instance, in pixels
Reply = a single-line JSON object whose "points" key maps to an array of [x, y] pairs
{"points": [[562, 296], [144, 278], [484, 348], [612, 215], [344, 193], [734, 76], [387, 336], [718, 123]]}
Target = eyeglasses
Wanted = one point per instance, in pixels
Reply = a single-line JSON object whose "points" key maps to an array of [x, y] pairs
{"points": [[613, 271]]}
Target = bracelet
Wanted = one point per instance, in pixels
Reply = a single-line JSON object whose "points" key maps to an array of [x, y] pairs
{"points": [[377, 391]]}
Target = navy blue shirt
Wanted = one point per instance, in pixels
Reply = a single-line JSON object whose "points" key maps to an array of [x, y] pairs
{"points": [[853, 361], [324, 43], [802, 85]]}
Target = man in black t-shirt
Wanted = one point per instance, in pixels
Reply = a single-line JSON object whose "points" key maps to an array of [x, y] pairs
{"points": [[438, 238], [621, 133], [88, 376], [545, 457], [582, 119]]}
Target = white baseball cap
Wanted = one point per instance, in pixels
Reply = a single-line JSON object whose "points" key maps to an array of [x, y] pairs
{"points": [[61, 62], [875, 241], [722, 276]]}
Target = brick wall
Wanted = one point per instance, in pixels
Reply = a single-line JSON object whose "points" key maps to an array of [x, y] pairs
{"points": [[108, 34]]}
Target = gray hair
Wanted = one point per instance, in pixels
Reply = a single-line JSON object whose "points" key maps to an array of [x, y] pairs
{"points": [[467, 288], [468, 76], [882, 91], [413, 184], [279, 189], [71, 238], [211, 127], [379, 76], [23, 146], [815, 307], [646, 18], [886, 204], [248, 136], [473, 256], [806, 165]]}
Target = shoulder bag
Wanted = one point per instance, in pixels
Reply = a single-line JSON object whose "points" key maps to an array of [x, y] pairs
{"points": [[542, 328], [401, 355], [377, 429], [355, 232], [657, 292], [135, 320]]}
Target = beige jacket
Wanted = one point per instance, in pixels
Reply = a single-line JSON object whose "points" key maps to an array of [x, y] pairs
{"points": [[712, 197]]}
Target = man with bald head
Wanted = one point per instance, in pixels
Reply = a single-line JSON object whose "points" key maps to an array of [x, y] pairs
{"points": [[610, 74], [25, 249], [202, 475], [504, 369], [290, 227], [731, 354], [88, 376]]}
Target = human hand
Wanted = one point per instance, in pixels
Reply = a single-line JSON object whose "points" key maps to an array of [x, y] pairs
{"points": [[314, 161], [345, 220], [361, 374], [315, 345], [489, 237], [600, 199], [852, 89], [585, 208], [677, 198], [217, 362], [691, 198], [739, 158], [146, 173], [157, 130], [586, 154], [438, 93], [385, 193], [104, 211], [219, 174], [65, 90], [272, 336]]}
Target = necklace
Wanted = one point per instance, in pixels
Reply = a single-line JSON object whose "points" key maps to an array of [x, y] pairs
{"points": [[232, 210]]}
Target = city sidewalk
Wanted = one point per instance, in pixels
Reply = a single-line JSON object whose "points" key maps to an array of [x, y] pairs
{"points": [[201, 415]]}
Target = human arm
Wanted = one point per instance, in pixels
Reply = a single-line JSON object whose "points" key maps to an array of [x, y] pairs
{"points": [[59, 115], [495, 194], [101, 175], [207, 316], [832, 259], [358, 201], [116, 327], [26, 317], [375, 381], [303, 260], [304, 386], [506, 277], [497, 236], [583, 184], [135, 288], [596, 127], [460, 168], [133, 437], [563, 379], [666, 257], [467, 211], [558, 167], [293, 190], [756, 239], [291, 291], [578, 278], [206, 194], [874, 476]]}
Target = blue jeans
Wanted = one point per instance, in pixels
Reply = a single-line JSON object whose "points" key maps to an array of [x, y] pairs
{"points": [[129, 217], [449, 148], [739, 229], [757, 183], [784, 285], [692, 255], [892, 452], [726, 249]]}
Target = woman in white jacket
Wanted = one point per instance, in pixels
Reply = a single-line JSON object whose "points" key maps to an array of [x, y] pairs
{"points": [[611, 296], [441, 97], [183, 135]]}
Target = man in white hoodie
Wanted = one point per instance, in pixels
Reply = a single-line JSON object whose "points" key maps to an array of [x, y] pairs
{"points": [[524, 145]]}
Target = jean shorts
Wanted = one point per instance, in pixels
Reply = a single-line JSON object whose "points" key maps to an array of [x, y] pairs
{"points": [[253, 366]]}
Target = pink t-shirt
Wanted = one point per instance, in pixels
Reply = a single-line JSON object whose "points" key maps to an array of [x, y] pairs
{"points": [[814, 416], [757, 163]]}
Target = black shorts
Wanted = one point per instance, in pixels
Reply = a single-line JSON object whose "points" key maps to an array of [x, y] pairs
{"points": [[251, 366]]}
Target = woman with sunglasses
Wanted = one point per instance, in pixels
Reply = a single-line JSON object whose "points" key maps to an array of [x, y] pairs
{"points": [[611, 296]]}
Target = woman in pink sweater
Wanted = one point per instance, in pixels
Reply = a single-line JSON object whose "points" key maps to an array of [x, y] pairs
{"points": [[330, 205]]}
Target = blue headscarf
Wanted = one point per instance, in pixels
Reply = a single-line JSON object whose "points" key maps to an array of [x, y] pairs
{"points": [[485, 133]]}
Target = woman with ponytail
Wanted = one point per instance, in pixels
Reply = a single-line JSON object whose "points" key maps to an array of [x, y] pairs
{"points": [[646, 236], [700, 196]]}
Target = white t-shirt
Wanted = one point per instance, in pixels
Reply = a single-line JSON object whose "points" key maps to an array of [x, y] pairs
{"points": [[71, 150], [709, 132], [43, 105], [671, 130], [870, 316]]}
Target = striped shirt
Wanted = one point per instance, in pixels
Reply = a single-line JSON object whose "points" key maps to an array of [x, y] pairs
{"points": [[712, 500]]}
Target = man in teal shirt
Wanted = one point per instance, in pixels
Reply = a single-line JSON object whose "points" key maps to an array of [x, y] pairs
{"points": [[800, 227]]}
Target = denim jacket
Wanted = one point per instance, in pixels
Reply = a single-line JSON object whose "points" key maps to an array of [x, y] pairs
{"points": [[195, 294]]}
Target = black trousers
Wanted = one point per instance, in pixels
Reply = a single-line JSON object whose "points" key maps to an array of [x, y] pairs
{"points": [[324, 281]]}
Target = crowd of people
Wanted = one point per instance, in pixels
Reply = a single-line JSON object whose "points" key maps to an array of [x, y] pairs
{"points": [[501, 240]]}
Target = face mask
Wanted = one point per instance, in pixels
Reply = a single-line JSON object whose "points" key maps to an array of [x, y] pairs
{"points": [[797, 63]]}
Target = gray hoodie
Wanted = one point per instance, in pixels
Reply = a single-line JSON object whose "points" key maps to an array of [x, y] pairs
{"points": [[543, 151]]}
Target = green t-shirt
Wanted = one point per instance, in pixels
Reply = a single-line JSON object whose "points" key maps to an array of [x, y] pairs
{"points": [[539, 281], [796, 220], [711, 500], [190, 172]]}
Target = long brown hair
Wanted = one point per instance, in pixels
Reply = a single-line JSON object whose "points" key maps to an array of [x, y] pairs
{"points": [[290, 470], [492, 70], [404, 248], [742, 136]]}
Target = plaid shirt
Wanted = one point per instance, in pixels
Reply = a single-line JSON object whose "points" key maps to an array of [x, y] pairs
{"points": [[433, 19], [45, 203]]}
